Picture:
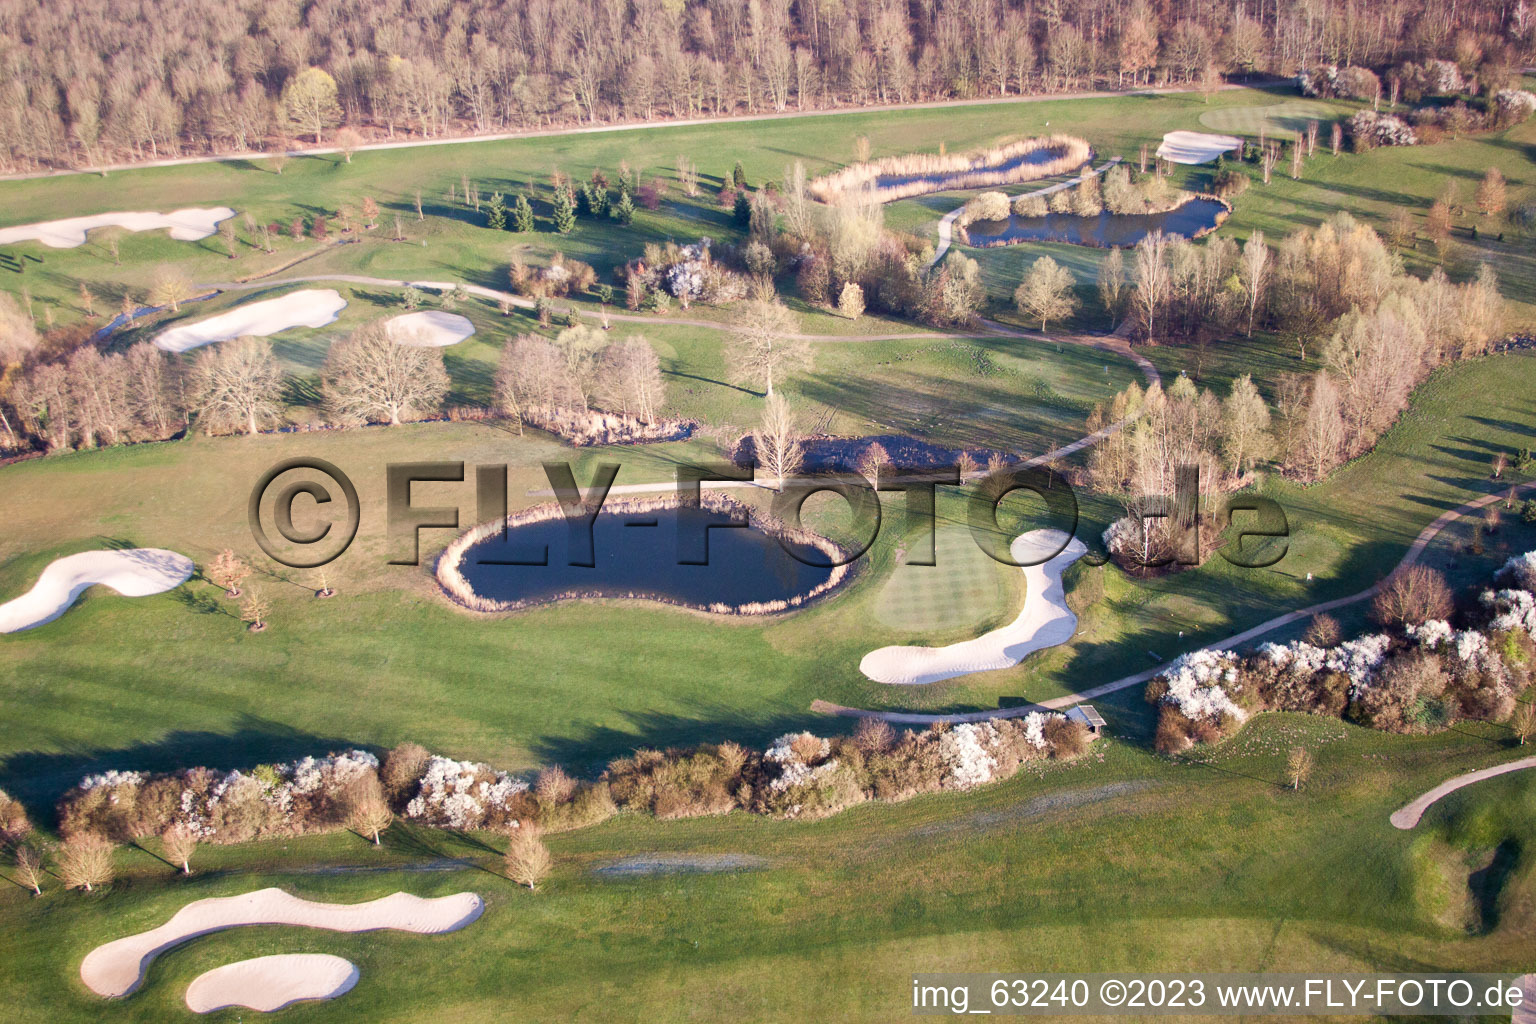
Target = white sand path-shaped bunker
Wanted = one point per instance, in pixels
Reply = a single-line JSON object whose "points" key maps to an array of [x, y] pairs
{"points": [[1044, 621], [269, 983], [133, 572], [429, 329], [117, 968], [1196, 147], [186, 226], [314, 307]]}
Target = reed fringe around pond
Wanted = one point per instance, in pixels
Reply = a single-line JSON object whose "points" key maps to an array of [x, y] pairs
{"points": [[462, 593]]}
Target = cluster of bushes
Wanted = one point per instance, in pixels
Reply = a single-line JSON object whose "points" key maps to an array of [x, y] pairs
{"points": [[806, 776], [690, 273], [1419, 674], [1353, 83], [14, 826], [562, 277], [310, 795], [799, 775], [1369, 129], [1505, 108]]}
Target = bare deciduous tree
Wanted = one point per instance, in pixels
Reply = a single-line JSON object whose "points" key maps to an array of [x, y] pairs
{"points": [[348, 140], [527, 858], [180, 842], [777, 440], [629, 379], [171, 287], [1111, 282], [254, 610], [762, 344], [1151, 279], [228, 572], [370, 815], [1255, 273], [85, 862], [29, 869], [1522, 721], [236, 385], [1298, 766], [1046, 293], [1414, 595], [1245, 426], [373, 376]]}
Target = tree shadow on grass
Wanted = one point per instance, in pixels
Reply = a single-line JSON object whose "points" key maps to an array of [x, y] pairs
{"points": [[39, 778], [589, 754]]}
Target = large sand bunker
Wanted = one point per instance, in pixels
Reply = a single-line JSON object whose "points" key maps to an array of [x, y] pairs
{"points": [[116, 968], [135, 572], [1196, 147], [1044, 621], [186, 226], [314, 307], [429, 329], [270, 983]]}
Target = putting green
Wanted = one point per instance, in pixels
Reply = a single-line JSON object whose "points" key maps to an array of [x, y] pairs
{"points": [[963, 588], [1275, 119]]}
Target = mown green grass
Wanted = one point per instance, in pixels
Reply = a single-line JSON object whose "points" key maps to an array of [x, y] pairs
{"points": [[1201, 864], [1121, 862]]}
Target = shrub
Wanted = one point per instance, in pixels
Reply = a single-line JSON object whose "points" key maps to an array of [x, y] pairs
{"points": [[985, 206], [85, 862], [554, 786], [14, 825], [527, 858], [402, 771], [1030, 206], [1414, 595], [1406, 695], [466, 794], [679, 783], [1369, 129], [1230, 182]]}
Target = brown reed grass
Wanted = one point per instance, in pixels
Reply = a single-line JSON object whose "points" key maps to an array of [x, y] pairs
{"points": [[976, 169]]}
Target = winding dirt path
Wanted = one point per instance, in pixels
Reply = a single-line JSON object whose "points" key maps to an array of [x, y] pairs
{"points": [[1409, 814], [1415, 549]]}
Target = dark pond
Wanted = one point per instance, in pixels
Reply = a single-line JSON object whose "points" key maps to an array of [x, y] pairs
{"points": [[637, 554], [1107, 229], [939, 179]]}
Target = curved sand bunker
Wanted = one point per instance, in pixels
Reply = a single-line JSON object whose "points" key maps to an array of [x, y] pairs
{"points": [[135, 572], [314, 307], [116, 968], [429, 329], [186, 226], [1044, 621], [270, 983], [1196, 147]]}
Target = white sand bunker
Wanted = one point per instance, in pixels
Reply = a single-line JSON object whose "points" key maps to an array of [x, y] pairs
{"points": [[116, 968], [1045, 621], [1196, 147], [430, 329], [135, 572], [270, 983], [314, 307], [186, 226]]}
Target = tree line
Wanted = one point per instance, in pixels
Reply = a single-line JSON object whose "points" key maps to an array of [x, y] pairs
{"points": [[86, 83]]}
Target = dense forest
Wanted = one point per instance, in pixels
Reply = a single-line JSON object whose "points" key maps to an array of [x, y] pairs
{"points": [[92, 82]]}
